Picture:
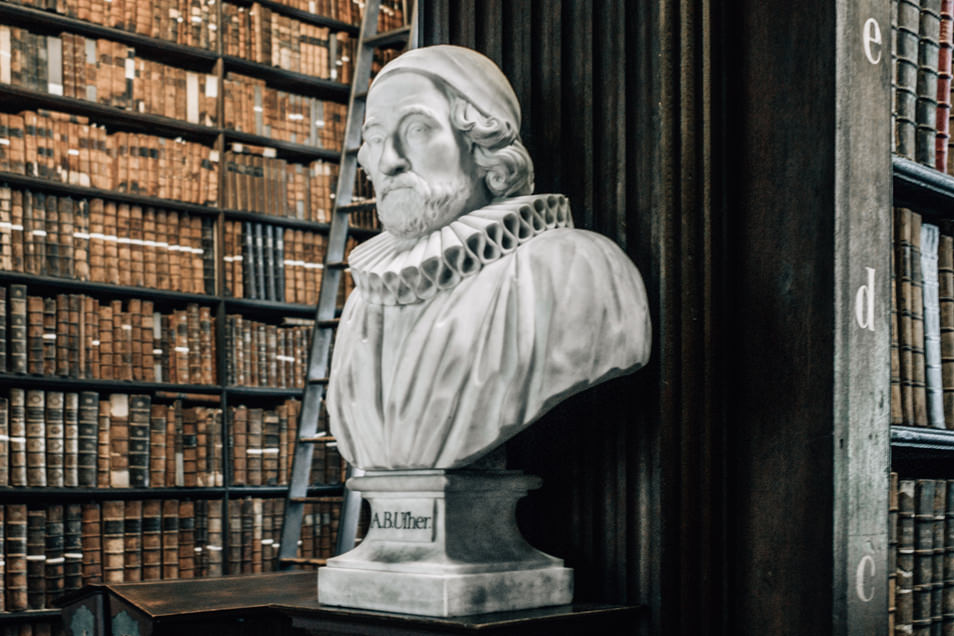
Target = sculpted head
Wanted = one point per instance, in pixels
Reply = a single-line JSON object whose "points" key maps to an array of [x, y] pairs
{"points": [[441, 139]]}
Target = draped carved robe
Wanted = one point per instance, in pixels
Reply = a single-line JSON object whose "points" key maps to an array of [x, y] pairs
{"points": [[452, 344]]}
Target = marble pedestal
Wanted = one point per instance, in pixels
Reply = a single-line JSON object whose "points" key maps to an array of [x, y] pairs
{"points": [[444, 543]]}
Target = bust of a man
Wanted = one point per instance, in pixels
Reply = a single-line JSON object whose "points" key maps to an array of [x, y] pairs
{"points": [[479, 307]]}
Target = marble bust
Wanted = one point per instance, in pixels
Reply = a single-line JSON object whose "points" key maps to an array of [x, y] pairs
{"points": [[475, 311], [479, 307]]}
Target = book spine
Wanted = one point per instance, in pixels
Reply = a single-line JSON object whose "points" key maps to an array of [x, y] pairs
{"points": [[152, 540], [170, 539], [36, 557], [71, 439], [92, 540], [17, 329], [946, 46], [119, 440], [103, 445], [15, 543], [113, 522], [87, 439], [186, 539], [157, 445], [926, 105], [132, 540], [73, 547], [139, 437], [36, 438], [255, 446]]}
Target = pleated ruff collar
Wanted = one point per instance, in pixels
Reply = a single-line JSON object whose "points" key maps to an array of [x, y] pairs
{"points": [[393, 271]]}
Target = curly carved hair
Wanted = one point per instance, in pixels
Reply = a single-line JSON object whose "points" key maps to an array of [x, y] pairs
{"points": [[504, 162]]}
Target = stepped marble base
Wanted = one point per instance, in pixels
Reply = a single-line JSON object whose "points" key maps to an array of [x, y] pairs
{"points": [[444, 543]]}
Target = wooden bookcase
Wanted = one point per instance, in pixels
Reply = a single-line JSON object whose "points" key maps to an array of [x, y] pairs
{"points": [[208, 61]]}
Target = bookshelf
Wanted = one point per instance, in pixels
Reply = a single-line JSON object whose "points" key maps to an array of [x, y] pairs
{"points": [[227, 500]]}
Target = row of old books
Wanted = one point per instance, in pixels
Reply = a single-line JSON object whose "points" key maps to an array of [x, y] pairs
{"points": [[255, 182], [261, 35], [106, 72], [921, 556], [261, 354], [263, 443], [252, 107], [347, 11], [87, 440], [50, 550], [922, 324], [267, 262], [187, 22], [69, 149], [105, 241], [923, 41], [76, 336]]}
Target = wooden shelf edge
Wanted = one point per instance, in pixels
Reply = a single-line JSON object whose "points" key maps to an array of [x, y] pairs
{"points": [[258, 217], [922, 438], [26, 98], [32, 16], [294, 151], [928, 191], [35, 183], [288, 309], [304, 16], [296, 82], [75, 285], [29, 615]]}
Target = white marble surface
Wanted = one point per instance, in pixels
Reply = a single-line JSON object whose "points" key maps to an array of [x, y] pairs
{"points": [[444, 544]]}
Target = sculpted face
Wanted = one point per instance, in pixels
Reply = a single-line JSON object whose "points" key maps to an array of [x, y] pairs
{"points": [[422, 169]]}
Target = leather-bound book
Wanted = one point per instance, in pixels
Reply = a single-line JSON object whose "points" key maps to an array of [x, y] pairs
{"points": [[132, 540], [3, 329], [133, 370], [34, 331], [250, 280], [214, 543], [270, 448], [248, 535], [926, 106], [946, 47], [257, 536], [136, 261], [71, 439], [202, 467], [207, 356], [17, 329], [190, 447], [201, 538], [15, 544], [91, 343], [194, 339], [157, 445], [81, 260], [151, 540], [51, 330], [255, 446], [97, 244], [106, 357], [114, 546], [62, 335], [87, 439], [36, 557], [186, 539], [923, 554], [119, 440], [239, 437], [92, 540], [4, 447], [103, 453], [16, 421], [937, 562], [139, 412], [235, 536], [51, 265], [147, 366], [74, 305], [66, 255], [36, 438], [72, 547], [170, 539]]}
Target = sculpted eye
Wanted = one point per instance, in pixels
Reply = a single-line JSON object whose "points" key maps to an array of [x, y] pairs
{"points": [[416, 131], [374, 140]]}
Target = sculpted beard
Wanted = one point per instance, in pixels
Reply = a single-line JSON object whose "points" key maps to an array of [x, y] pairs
{"points": [[409, 207]]}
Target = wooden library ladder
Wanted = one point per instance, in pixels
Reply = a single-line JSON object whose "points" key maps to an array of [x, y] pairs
{"points": [[325, 320]]}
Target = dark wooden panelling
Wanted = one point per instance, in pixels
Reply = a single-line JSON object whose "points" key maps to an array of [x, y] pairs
{"points": [[618, 114]]}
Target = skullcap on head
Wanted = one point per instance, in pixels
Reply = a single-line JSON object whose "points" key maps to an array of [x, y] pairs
{"points": [[472, 74]]}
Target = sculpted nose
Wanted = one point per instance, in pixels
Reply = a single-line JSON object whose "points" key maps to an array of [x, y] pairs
{"points": [[392, 161]]}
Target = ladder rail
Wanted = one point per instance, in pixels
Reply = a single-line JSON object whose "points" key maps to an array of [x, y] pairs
{"points": [[318, 365]]}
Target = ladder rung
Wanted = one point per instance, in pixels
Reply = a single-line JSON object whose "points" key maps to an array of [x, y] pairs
{"points": [[337, 265], [317, 380], [330, 323], [303, 561], [353, 150], [357, 207], [389, 38], [304, 500], [317, 439], [361, 94]]}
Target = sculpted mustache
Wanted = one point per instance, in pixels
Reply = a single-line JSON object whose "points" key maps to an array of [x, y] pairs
{"points": [[402, 181]]}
